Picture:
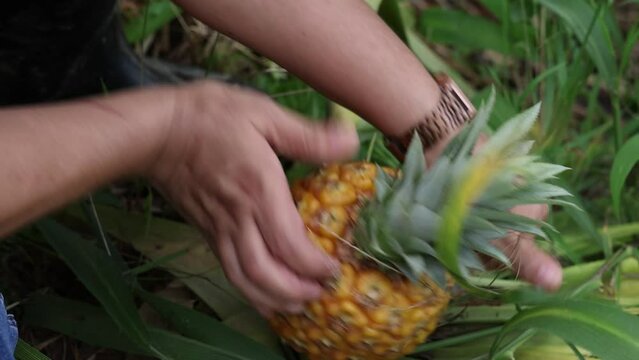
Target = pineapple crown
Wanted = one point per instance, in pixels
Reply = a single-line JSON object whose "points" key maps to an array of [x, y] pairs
{"points": [[464, 198]]}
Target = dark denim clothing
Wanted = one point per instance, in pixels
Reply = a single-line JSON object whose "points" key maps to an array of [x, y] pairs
{"points": [[8, 333]]}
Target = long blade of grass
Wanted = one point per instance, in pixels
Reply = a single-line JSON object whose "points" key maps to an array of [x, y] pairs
{"points": [[182, 348], [195, 325], [585, 221], [458, 340], [507, 351], [79, 320], [99, 273], [591, 29], [434, 63], [390, 11], [625, 160], [24, 351], [150, 265], [604, 329], [541, 346], [397, 18], [92, 325], [629, 45], [198, 268], [452, 27], [292, 93], [582, 245]]}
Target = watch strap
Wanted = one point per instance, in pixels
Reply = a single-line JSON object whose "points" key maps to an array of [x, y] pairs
{"points": [[452, 112]]}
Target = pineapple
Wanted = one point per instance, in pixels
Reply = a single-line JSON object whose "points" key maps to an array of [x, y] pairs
{"points": [[382, 225]]}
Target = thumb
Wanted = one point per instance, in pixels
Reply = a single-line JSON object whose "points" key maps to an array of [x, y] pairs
{"points": [[530, 263], [300, 139]]}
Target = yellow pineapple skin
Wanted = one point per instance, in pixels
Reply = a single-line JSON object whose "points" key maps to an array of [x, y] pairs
{"points": [[368, 312]]}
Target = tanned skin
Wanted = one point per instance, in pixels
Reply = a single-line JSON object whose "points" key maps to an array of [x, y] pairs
{"points": [[212, 149]]}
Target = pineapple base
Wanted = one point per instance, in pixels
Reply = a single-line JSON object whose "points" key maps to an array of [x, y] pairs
{"points": [[365, 315]]}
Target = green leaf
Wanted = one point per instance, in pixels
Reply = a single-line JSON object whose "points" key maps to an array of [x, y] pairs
{"points": [[580, 17], [415, 163], [517, 127], [625, 160], [92, 325], [434, 63], [163, 238], [195, 325], [629, 45], [292, 93], [487, 248], [541, 346], [252, 325], [25, 351], [374, 4], [420, 221], [503, 110], [431, 195], [100, 275], [453, 27], [78, 320], [458, 340], [583, 245], [604, 329], [182, 348], [152, 17], [298, 171], [390, 12]]}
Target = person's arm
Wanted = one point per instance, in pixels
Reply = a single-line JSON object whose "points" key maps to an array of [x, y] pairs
{"points": [[343, 49], [51, 154], [340, 47], [211, 149]]}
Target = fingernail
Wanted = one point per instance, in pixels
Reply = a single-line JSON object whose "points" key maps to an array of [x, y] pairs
{"points": [[549, 277], [342, 131]]}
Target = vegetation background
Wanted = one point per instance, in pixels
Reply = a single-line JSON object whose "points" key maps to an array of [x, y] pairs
{"points": [[120, 276]]}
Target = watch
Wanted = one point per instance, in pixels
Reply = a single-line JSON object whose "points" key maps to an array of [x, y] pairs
{"points": [[452, 112]]}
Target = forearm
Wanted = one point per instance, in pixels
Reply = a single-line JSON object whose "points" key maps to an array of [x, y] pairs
{"points": [[52, 154], [340, 47]]}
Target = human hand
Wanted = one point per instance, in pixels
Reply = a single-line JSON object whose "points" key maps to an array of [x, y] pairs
{"points": [[220, 169], [529, 262]]}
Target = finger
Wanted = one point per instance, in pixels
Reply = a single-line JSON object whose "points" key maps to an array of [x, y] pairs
{"points": [[267, 273], [263, 303], [298, 138], [530, 263], [482, 139], [229, 210], [533, 211], [265, 312], [285, 233]]}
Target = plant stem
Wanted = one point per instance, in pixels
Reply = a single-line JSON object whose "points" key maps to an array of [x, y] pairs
{"points": [[457, 339]]}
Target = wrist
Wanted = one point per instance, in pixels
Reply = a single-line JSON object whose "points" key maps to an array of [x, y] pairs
{"points": [[184, 106], [154, 113], [172, 135], [437, 126]]}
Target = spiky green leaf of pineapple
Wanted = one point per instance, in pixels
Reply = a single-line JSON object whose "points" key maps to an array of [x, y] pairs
{"points": [[429, 221]]}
